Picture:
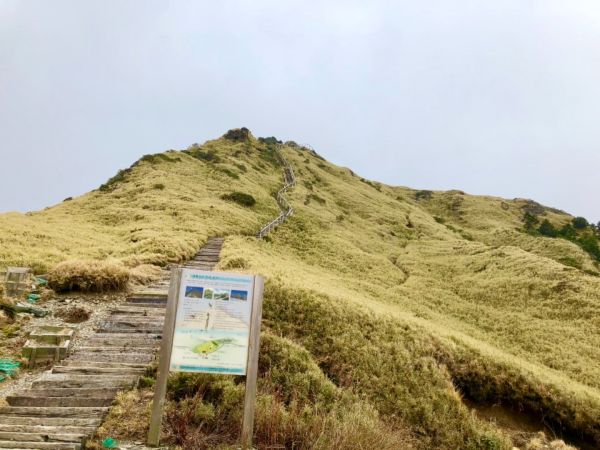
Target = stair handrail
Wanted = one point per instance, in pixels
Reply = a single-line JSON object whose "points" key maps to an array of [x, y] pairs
{"points": [[286, 210]]}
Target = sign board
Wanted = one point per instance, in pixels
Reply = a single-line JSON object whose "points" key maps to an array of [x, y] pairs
{"points": [[212, 325]]}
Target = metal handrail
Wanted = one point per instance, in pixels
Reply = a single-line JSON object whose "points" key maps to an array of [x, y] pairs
{"points": [[289, 180]]}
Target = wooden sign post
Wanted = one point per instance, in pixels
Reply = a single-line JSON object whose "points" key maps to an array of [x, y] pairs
{"points": [[212, 325]]}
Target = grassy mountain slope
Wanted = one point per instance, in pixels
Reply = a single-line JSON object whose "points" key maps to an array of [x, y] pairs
{"points": [[402, 300]]}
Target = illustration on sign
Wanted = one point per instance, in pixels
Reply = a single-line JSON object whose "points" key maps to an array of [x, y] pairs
{"points": [[212, 324]]}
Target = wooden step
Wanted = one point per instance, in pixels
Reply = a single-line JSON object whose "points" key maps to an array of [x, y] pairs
{"points": [[93, 371], [87, 431], [24, 400], [105, 364], [10, 445], [49, 421], [157, 298], [147, 350], [129, 357], [127, 336], [139, 311], [35, 411], [68, 392], [137, 320], [66, 380], [109, 344], [40, 437], [139, 331]]}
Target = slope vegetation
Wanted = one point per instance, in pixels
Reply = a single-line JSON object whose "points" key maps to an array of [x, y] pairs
{"points": [[384, 305]]}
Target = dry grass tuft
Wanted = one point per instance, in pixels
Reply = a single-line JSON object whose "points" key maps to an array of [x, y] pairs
{"points": [[144, 274], [541, 442], [127, 419], [88, 276]]}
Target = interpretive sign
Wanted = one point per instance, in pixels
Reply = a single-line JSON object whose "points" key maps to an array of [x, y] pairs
{"points": [[212, 325]]}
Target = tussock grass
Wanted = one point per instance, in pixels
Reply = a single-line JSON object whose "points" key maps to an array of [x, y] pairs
{"points": [[144, 274], [404, 300], [88, 276], [297, 407], [99, 276]]}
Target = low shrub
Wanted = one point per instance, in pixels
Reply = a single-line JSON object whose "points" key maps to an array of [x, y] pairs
{"points": [[114, 182], [159, 186], [423, 195], [88, 276], [269, 140], [228, 172], [240, 198], [547, 229], [238, 134], [570, 261], [580, 223], [208, 156]]}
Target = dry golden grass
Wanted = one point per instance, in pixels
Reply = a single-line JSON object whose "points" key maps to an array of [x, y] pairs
{"points": [[144, 274], [88, 276], [403, 310]]}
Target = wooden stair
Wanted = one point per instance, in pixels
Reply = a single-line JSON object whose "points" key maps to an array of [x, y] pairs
{"points": [[65, 405]]}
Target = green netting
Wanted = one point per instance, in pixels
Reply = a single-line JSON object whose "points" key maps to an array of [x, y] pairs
{"points": [[110, 443], [41, 281], [8, 367], [32, 298]]}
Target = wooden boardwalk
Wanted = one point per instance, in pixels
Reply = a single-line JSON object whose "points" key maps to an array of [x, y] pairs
{"points": [[65, 405]]}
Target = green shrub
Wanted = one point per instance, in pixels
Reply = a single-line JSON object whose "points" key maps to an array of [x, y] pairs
{"points": [[238, 134], [159, 186], [570, 262], [240, 198], [423, 195], [530, 220], [208, 156], [269, 140], [568, 232], [589, 243], [547, 229], [580, 223], [157, 158], [113, 183]]}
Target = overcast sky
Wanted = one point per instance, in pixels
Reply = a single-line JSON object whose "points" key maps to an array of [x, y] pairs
{"points": [[497, 97]]}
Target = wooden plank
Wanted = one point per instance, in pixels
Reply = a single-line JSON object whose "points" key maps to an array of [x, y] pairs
{"points": [[252, 366], [166, 348], [25, 400], [53, 411], [93, 371], [17, 437], [47, 429], [105, 364], [67, 392], [9, 445], [49, 421]]}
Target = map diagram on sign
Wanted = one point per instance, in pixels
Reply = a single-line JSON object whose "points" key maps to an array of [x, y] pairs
{"points": [[212, 323]]}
